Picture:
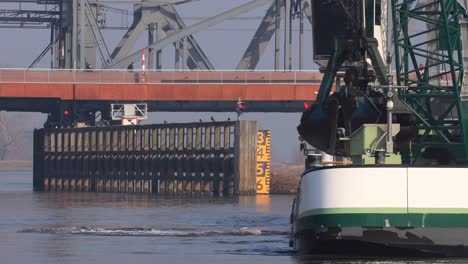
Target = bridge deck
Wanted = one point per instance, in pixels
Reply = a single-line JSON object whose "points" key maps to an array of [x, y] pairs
{"points": [[277, 90]]}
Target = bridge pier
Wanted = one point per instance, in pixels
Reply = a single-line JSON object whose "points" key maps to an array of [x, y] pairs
{"points": [[214, 159]]}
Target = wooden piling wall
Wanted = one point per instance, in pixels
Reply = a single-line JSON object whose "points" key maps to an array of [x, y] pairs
{"points": [[216, 158]]}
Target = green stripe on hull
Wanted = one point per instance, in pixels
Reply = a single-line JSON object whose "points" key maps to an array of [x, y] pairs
{"points": [[392, 218], [386, 210], [438, 210], [322, 211]]}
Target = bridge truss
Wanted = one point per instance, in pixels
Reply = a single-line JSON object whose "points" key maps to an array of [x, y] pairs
{"points": [[77, 26]]}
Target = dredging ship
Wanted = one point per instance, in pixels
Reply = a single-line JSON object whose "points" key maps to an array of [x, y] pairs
{"points": [[398, 127]]}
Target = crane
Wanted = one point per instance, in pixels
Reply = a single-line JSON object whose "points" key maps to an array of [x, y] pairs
{"points": [[432, 69], [420, 111], [418, 84]]}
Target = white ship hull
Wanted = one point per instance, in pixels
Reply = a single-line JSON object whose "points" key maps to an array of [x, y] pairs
{"points": [[382, 209]]}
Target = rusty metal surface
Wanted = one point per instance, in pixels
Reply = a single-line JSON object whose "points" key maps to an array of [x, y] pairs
{"points": [[39, 90], [154, 77], [160, 86]]}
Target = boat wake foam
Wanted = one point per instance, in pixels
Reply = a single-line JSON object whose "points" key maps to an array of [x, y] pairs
{"points": [[98, 231]]}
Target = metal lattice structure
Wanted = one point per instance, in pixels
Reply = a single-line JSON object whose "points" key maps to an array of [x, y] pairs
{"points": [[429, 62], [78, 39]]}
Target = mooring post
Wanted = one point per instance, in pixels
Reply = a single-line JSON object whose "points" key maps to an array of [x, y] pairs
{"points": [[73, 158], [227, 176], [217, 161], [38, 160], [189, 168], [146, 160], [163, 162], [114, 160], [180, 160], [207, 180], [153, 156], [122, 161], [198, 157], [137, 160], [245, 137], [92, 176], [86, 171], [99, 164], [130, 160], [50, 181], [101, 159], [171, 161], [58, 169]]}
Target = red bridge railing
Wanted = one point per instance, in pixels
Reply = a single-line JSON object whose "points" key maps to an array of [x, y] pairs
{"points": [[155, 77]]}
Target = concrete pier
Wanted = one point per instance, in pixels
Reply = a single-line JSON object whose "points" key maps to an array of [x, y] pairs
{"points": [[216, 158]]}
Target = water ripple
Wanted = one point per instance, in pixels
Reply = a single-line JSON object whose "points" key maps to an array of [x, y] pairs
{"points": [[99, 231]]}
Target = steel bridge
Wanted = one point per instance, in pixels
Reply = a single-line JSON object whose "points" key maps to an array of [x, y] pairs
{"points": [[77, 30], [86, 75], [85, 92]]}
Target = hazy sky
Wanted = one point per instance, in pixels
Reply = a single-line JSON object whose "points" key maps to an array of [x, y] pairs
{"points": [[224, 44]]}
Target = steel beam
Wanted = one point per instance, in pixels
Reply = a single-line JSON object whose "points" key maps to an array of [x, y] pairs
{"points": [[308, 11], [82, 35], [21, 17], [48, 105], [21, 20], [287, 35], [171, 23], [19, 1], [260, 41], [177, 55], [54, 41], [168, 20], [158, 52], [184, 53], [66, 29], [143, 2], [75, 34], [130, 38], [96, 33], [41, 55], [193, 29], [301, 36], [151, 40], [278, 4], [271, 25]]}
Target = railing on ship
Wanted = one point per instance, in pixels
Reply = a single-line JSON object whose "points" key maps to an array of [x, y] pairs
{"points": [[156, 77]]}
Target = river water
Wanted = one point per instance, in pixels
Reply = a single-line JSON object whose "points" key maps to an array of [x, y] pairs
{"points": [[139, 228]]}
